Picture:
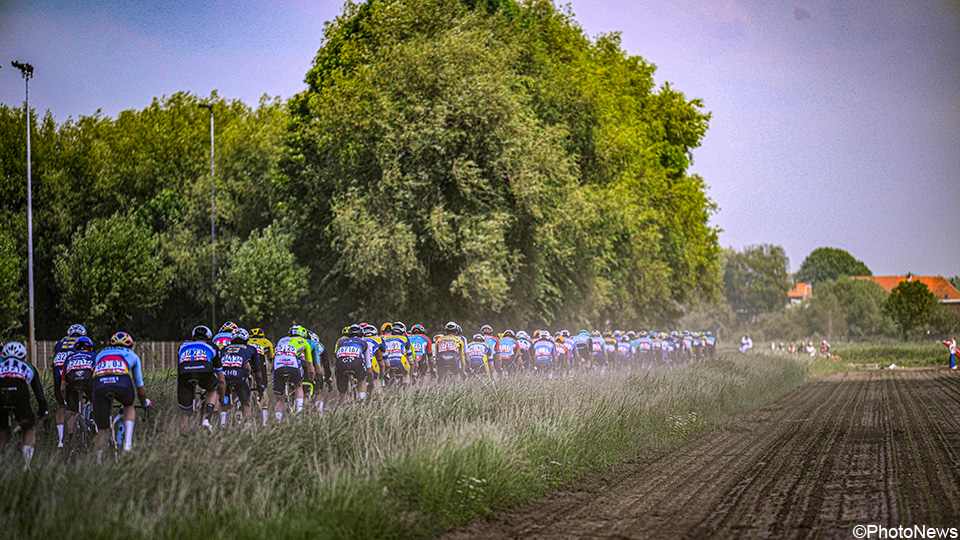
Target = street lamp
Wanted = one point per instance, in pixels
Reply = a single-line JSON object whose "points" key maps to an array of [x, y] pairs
{"points": [[26, 71], [213, 224]]}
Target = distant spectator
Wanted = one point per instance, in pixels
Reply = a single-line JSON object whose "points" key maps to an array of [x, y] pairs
{"points": [[825, 349], [952, 344], [746, 343]]}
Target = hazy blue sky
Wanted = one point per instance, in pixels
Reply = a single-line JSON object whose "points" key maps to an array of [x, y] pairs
{"points": [[835, 123]]}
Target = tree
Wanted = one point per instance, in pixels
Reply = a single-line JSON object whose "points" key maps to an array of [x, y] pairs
{"points": [[263, 280], [112, 273], [910, 304], [494, 163], [955, 281], [757, 279], [826, 315], [861, 301], [11, 288], [825, 263]]}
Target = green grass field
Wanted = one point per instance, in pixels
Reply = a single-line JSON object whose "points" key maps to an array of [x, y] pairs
{"points": [[902, 354], [409, 464]]}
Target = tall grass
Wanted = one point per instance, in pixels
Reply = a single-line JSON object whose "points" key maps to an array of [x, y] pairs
{"points": [[409, 464], [902, 354]]}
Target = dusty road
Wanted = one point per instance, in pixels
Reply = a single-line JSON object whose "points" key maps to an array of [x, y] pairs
{"points": [[852, 448]]}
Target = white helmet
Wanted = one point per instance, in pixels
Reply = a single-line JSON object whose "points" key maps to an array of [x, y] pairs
{"points": [[76, 330], [16, 350], [239, 334]]}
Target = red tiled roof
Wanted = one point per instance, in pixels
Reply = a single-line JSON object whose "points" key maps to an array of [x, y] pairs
{"points": [[938, 285], [800, 290]]}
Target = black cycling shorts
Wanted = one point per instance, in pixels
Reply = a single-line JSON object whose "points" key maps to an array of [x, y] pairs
{"points": [[447, 368], [241, 388], [283, 376], [103, 395], [73, 395], [346, 366], [15, 393], [206, 380]]}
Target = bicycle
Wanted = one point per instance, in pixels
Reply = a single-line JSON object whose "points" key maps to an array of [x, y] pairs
{"points": [[115, 442], [81, 429]]}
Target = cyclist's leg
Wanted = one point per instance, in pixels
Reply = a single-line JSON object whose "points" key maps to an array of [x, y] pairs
{"points": [[129, 416], [186, 388]]}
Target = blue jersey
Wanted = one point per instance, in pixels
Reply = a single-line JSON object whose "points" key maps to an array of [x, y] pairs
{"points": [[79, 366], [597, 348], [421, 346], [354, 349], [623, 349], [479, 355], [62, 350], [317, 349], [114, 362], [222, 339], [544, 351], [197, 356]]}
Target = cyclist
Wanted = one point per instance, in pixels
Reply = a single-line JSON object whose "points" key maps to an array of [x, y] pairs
{"points": [[199, 364], [478, 357], [353, 357], [320, 362], [422, 347], [598, 355], [610, 347], [292, 364], [225, 336], [508, 358], [581, 346], [77, 379], [117, 375], [61, 351], [565, 351], [544, 354], [450, 358], [265, 347], [17, 377], [494, 343], [624, 350], [710, 343], [399, 352], [525, 344], [375, 344], [645, 348], [239, 360]]}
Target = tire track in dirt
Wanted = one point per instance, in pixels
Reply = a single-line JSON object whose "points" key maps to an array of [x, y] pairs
{"points": [[850, 448]]}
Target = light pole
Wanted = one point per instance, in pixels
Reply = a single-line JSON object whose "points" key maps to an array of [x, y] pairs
{"points": [[26, 70], [213, 226]]}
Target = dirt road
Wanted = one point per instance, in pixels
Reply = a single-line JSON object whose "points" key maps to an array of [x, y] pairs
{"points": [[852, 448]]}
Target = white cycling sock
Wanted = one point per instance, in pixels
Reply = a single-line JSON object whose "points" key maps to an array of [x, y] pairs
{"points": [[59, 433], [279, 416], [27, 454], [127, 435], [266, 416], [298, 404], [223, 418], [99, 455], [319, 406], [362, 395]]}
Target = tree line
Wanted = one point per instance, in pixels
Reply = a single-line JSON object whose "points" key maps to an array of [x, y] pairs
{"points": [[494, 164]]}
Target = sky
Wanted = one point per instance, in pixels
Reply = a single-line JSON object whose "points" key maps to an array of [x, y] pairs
{"points": [[834, 122]]}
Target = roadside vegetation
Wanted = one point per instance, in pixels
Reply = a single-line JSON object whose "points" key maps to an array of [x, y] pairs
{"points": [[404, 465]]}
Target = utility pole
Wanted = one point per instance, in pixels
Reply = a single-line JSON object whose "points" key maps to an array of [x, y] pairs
{"points": [[213, 226], [26, 71]]}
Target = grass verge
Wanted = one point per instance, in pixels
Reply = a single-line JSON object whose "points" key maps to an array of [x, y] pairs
{"points": [[406, 465], [902, 354]]}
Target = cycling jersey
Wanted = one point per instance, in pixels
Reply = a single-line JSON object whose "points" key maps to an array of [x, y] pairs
{"points": [[509, 349], [352, 357], [525, 345], [78, 366], [16, 379], [292, 352], [113, 363], [265, 347], [478, 354], [235, 357], [610, 347], [544, 353], [198, 356], [624, 350], [222, 339], [62, 350], [644, 345], [451, 355], [597, 349], [398, 352], [421, 347], [492, 342], [318, 351], [375, 344]]}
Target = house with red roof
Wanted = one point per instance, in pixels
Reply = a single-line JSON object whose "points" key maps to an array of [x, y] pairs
{"points": [[946, 293], [800, 292]]}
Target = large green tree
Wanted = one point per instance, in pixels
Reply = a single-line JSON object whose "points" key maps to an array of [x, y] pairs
{"points": [[825, 263], [494, 163], [112, 274], [861, 301], [910, 304], [11, 295], [756, 279], [263, 280]]}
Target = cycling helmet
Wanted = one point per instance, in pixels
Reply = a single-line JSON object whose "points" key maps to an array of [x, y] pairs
{"points": [[709, 334], [239, 335], [486, 329], [617, 333], [399, 328], [121, 339], [523, 335], [584, 333], [595, 333], [459, 330], [313, 336], [298, 331], [643, 333], [354, 330], [15, 349], [418, 329], [346, 330], [201, 332], [451, 327], [76, 330], [565, 333], [83, 343], [228, 326], [257, 333], [559, 338], [386, 328], [508, 333], [369, 331], [478, 336]]}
